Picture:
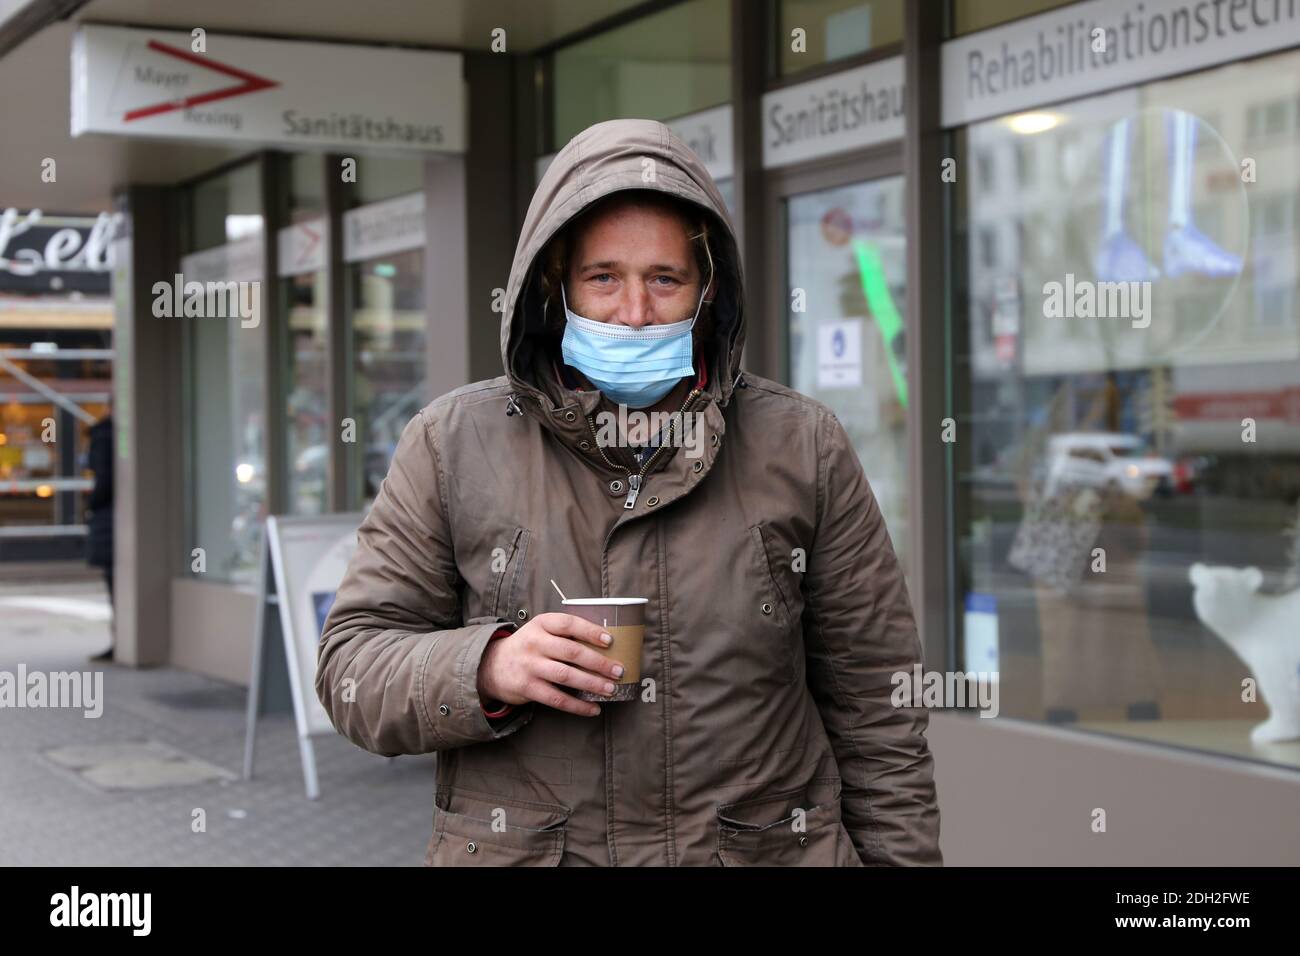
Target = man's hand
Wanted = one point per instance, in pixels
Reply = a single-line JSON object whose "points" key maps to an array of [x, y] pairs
{"points": [[548, 652]]}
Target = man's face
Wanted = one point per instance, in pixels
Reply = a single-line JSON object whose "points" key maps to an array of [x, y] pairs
{"points": [[633, 265]]}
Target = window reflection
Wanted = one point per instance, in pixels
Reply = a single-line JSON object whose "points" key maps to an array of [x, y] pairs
{"points": [[303, 245], [388, 328], [226, 503], [1133, 360], [846, 286], [834, 30], [667, 64]]}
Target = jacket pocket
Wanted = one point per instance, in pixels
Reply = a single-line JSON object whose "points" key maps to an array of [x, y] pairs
{"points": [[506, 593], [481, 830], [773, 604], [778, 831]]}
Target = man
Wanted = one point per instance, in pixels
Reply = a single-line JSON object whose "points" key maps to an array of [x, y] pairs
{"points": [[763, 731], [99, 507]]}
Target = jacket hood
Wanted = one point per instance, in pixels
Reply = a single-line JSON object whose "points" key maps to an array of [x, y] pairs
{"points": [[603, 159]]}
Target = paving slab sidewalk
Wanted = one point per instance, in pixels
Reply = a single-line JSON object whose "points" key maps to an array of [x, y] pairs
{"points": [[122, 789]]}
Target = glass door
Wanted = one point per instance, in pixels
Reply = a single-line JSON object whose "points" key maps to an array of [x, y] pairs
{"points": [[846, 270], [226, 495]]}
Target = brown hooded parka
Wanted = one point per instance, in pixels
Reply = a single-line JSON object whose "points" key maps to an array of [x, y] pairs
{"points": [[764, 733]]}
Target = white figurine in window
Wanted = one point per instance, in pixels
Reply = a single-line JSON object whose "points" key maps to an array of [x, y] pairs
{"points": [[1264, 631]]}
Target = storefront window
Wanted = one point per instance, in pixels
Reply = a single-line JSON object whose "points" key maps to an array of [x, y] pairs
{"points": [[55, 377], [43, 446], [846, 288], [383, 243], [972, 15], [383, 177], [816, 32], [1128, 366], [302, 258], [671, 63], [388, 330], [226, 501]]}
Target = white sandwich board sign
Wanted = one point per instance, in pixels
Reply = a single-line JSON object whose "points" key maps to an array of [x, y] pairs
{"points": [[303, 562]]}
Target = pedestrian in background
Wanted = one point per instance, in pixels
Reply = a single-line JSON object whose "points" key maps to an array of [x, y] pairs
{"points": [[99, 514]]}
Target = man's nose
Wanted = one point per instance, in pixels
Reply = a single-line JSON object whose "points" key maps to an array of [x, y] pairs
{"points": [[637, 309]]}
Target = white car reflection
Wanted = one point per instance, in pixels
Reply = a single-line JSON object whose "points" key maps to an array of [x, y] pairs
{"points": [[1104, 459]]}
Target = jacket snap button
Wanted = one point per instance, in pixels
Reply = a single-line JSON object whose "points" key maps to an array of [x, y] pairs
{"points": [[803, 841], [767, 608], [444, 709], [523, 614], [471, 848], [713, 440], [652, 500], [584, 445], [616, 487], [698, 467], [569, 416]]}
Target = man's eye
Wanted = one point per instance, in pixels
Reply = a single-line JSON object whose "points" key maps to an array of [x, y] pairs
{"points": [[667, 280], [603, 275]]}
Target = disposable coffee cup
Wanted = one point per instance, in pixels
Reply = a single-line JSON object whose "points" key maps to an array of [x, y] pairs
{"points": [[624, 620]]}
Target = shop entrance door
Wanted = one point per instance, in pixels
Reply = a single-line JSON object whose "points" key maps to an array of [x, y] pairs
{"points": [[843, 292]]}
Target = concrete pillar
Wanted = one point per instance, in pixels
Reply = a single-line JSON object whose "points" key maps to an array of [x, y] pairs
{"points": [[147, 506]]}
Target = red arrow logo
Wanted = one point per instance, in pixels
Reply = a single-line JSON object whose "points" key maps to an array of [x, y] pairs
{"points": [[252, 84], [313, 240]]}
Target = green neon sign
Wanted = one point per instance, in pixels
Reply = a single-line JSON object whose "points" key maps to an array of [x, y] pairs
{"points": [[883, 310]]}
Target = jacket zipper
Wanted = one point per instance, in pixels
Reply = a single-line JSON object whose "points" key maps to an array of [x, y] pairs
{"points": [[634, 481]]}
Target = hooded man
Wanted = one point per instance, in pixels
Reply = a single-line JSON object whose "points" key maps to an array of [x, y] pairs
{"points": [[761, 730]]}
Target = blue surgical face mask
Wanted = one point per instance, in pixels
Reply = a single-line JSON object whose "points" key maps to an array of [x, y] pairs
{"points": [[635, 367]]}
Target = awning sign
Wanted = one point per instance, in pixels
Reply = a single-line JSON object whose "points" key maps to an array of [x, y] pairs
{"points": [[40, 252], [270, 92], [852, 109], [1081, 49], [708, 134]]}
